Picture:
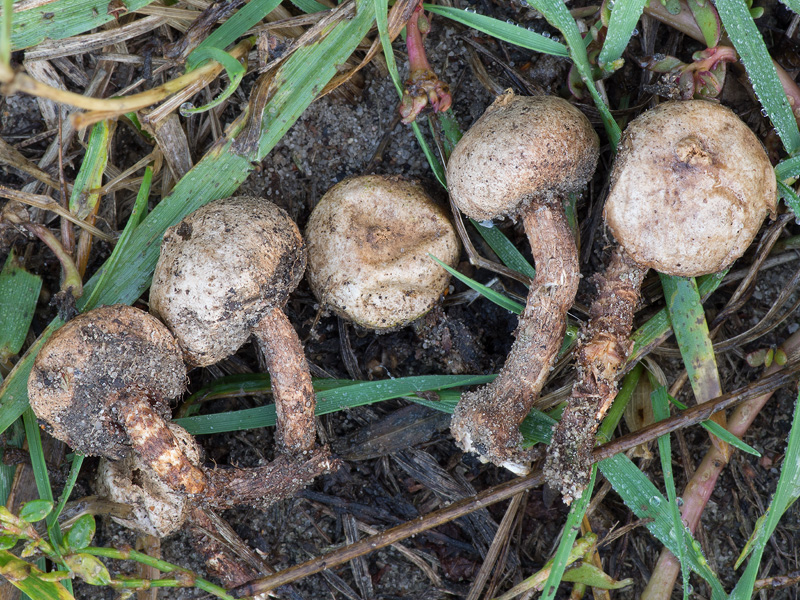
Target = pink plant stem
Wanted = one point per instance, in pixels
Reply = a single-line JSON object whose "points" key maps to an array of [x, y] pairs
{"points": [[417, 59], [699, 489]]}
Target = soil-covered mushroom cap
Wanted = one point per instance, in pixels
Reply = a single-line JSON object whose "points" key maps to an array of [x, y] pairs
{"points": [[110, 355], [522, 147], [156, 508], [221, 269], [368, 244], [690, 188]]}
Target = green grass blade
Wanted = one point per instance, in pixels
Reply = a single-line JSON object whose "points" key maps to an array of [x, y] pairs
{"points": [[624, 17], [234, 69], [19, 293], [381, 19], [646, 502], [659, 324], [31, 585], [756, 59], [220, 172], [786, 493], [660, 401], [572, 528], [82, 201], [558, 16], [691, 331], [5, 33], [789, 168], [794, 5], [488, 293], [331, 400], [232, 29], [62, 19], [309, 6], [513, 34], [721, 432], [505, 250], [791, 199]]}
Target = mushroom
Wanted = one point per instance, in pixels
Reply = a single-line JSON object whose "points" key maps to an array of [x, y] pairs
{"points": [[224, 274], [521, 159], [690, 187], [102, 384], [369, 244]]}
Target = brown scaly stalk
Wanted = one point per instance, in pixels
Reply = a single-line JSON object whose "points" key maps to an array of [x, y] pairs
{"points": [[603, 350], [701, 485]]}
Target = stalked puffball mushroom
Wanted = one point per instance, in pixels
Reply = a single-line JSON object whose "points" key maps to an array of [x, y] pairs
{"points": [[690, 187], [224, 274], [102, 384], [370, 241], [521, 159]]}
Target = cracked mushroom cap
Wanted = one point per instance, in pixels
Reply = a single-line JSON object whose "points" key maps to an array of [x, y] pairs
{"points": [[368, 244], [690, 188], [107, 356], [521, 148], [156, 508], [221, 270]]}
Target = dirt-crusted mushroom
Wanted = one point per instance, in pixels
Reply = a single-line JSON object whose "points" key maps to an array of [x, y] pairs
{"points": [[224, 274], [690, 187], [102, 384], [521, 159], [369, 241]]}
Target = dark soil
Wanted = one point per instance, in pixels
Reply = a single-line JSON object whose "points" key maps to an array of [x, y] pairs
{"points": [[418, 469]]}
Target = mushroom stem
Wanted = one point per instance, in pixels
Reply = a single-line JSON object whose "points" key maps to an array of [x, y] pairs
{"points": [[488, 419], [603, 349], [263, 486], [157, 446], [291, 382]]}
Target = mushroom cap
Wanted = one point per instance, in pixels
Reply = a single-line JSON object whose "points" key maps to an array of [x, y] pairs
{"points": [[221, 270], [521, 148], [99, 359], [368, 244], [156, 508], [690, 187]]}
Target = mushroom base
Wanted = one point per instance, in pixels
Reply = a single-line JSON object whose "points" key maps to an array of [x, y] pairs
{"points": [[603, 350], [487, 420]]}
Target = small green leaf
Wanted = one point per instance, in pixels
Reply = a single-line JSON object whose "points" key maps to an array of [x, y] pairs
{"points": [[35, 510], [590, 575], [233, 68], [8, 541], [89, 568], [81, 533], [708, 20]]}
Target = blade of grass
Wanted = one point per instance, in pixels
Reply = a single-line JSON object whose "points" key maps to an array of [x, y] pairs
{"points": [[82, 202], [660, 401], [217, 175], [691, 332], [61, 19], [488, 293], [791, 199], [19, 293], [558, 16], [786, 493], [513, 34], [331, 400], [624, 17], [788, 168], [232, 29], [309, 6], [31, 585], [723, 434], [756, 59], [505, 250]]}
